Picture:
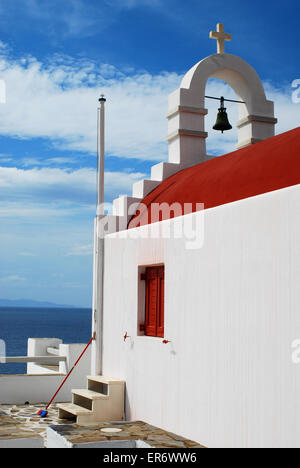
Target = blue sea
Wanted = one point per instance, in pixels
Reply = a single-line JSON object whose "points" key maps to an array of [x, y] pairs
{"points": [[18, 324]]}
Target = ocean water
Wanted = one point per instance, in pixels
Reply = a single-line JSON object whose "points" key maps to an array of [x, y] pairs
{"points": [[19, 324]]}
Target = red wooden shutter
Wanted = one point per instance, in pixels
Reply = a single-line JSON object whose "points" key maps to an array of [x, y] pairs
{"points": [[151, 301], [154, 320]]}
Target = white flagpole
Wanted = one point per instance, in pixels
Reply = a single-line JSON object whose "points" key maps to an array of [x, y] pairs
{"points": [[96, 358], [101, 155]]}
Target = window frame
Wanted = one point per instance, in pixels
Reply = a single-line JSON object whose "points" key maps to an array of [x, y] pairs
{"points": [[151, 286]]}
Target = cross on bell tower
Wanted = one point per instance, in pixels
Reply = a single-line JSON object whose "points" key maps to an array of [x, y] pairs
{"points": [[221, 37]]}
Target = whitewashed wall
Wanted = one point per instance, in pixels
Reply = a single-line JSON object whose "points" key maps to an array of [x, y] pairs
{"points": [[232, 311]]}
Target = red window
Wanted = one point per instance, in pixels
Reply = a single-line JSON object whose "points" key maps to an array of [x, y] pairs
{"points": [[155, 299]]}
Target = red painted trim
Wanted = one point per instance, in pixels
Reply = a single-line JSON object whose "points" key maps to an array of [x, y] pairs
{"points": [[270, 165], [161, 308]]}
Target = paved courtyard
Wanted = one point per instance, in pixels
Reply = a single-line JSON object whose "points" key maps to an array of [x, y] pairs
{"points": [[23, 422]]}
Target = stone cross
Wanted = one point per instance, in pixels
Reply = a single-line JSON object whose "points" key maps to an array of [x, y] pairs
{"points": [[221, 37]]}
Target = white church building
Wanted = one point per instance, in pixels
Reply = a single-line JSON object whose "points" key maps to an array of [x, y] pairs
{"points": [[196, 278]]}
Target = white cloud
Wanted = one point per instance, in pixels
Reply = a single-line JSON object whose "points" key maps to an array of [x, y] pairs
{"points": [[12, 278], [5, 158], [78, 180], [80, 250], [74, 285], [48, 192], [56, 184], [27, 211], [39, 178], [286, 111], [57, 100]]}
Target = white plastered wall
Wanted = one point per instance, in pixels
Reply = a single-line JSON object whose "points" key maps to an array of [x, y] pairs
{"points": [[231, 313]]}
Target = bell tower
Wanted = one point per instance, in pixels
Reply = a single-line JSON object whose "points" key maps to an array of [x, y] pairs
{"points": [[186, 115], [186, 122]]}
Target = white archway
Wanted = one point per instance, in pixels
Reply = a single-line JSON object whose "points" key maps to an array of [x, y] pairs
{"points": [[186, 116]]}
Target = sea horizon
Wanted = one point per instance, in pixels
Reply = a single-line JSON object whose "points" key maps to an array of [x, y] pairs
{"points": [[25, 303], [45, 307], [17, 324]]}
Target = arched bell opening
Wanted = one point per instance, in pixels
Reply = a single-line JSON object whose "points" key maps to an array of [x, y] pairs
{"points": [[187, 108], [218, 143]]}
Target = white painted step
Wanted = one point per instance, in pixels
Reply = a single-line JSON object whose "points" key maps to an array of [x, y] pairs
{"points": [[90, 394], [105, 380], [74, 409], [103, 400]]}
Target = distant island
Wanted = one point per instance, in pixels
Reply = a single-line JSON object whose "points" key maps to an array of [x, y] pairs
{"points": [[34, 304]]}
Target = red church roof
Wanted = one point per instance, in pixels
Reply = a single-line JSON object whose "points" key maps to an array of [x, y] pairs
{"points": [[270, 165]]}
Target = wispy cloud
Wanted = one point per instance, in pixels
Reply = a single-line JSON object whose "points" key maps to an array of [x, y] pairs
{"points": [[48, 192], [5, 158], [30, 212], [12, 278], [71, 18], [47, 183], [80, 250]]}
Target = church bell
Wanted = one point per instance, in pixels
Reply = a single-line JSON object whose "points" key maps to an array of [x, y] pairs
{"points": [[222, 123]]}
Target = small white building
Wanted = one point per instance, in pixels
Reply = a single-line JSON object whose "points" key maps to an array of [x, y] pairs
{"points": [[197, 298]]}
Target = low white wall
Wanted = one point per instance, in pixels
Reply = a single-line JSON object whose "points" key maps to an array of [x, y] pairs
{"points": [[18, 389], [40, 387], [30, 442], [231, 313], [38, 347]]}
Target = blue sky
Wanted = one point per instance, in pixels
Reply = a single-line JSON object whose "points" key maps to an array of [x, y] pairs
{"points": [[56, 58]]}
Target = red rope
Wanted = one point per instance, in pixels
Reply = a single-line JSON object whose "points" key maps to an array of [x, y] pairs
{"points": [[69, 373]]}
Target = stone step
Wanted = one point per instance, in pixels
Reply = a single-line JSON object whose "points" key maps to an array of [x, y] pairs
{"points": [[90, 394]]}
